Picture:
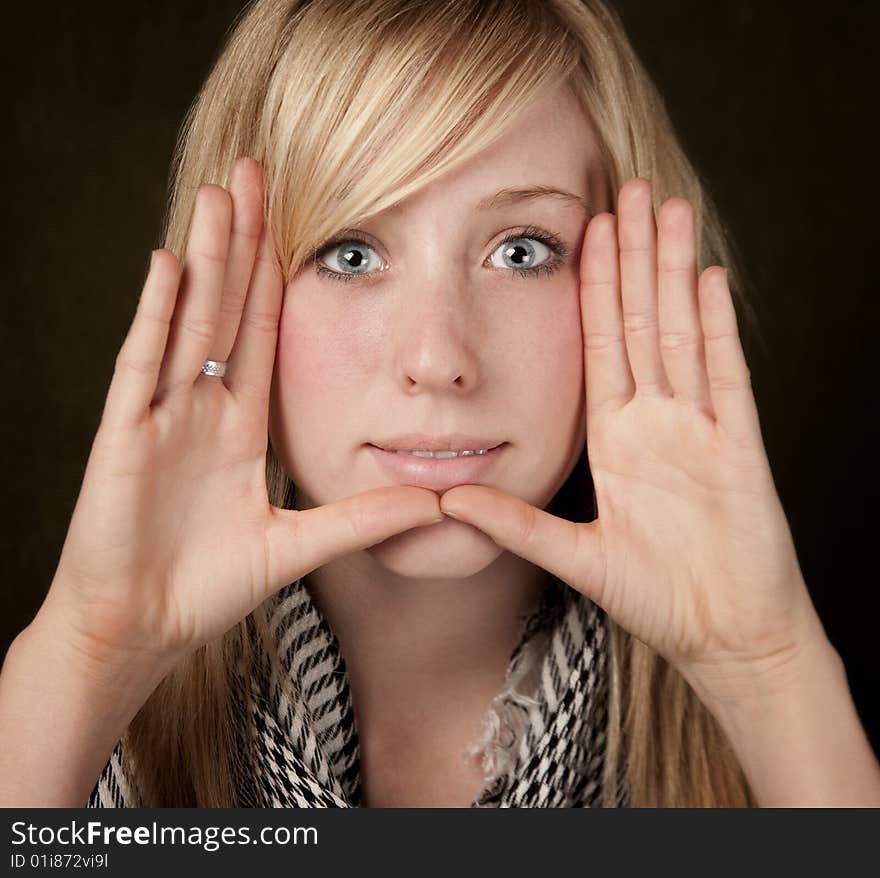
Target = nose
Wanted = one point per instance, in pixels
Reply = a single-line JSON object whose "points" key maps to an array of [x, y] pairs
{"points": [[437, 338]]}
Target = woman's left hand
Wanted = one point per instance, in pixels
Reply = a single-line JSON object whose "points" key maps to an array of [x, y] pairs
{"points": [[691, 551]]}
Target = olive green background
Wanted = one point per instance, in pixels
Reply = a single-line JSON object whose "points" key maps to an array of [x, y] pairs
{"points": [[774, 101]]}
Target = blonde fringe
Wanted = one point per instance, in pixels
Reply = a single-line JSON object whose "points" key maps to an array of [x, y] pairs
{"points": [[297, 82]]}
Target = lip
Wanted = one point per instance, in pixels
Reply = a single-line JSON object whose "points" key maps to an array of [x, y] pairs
{"points": [[437, 474], [429, 442]]}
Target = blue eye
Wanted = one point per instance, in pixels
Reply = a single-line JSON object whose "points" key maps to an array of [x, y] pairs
{"points": [[524, 255], [349, 254], [352, 252]]}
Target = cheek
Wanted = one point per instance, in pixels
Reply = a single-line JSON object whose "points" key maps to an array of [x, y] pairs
{"points": [[547, 395], [320, 363], [550, 354], [318, 359]]}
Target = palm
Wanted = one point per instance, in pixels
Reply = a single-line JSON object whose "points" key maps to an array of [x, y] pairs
{"points": [[234, 545], [667, 483], [690, 551], [193, 475], [173, 539]]}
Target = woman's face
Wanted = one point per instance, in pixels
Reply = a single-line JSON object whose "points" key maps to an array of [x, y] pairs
{"points": [[437, 333]]}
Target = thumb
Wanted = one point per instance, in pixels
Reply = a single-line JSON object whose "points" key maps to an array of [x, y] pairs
{"points": [[298, 541], [571, 551]]}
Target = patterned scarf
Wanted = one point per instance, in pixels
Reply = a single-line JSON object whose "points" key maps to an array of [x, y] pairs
{"points": [[544, 741]]}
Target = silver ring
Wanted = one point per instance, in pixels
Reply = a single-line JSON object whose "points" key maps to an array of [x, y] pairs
{"points": [[214, 367]]}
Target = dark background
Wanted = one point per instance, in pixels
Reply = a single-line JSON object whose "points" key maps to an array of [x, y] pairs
{"points": [[775, 102]]}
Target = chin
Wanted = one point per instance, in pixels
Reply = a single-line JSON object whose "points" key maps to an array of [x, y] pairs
{"points": [[447, 550]]}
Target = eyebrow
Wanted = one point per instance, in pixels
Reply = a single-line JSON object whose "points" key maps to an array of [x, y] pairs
{"points": [[512, 195]]}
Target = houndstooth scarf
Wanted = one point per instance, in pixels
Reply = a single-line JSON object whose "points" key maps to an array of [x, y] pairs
{"points": [[544, 741]]}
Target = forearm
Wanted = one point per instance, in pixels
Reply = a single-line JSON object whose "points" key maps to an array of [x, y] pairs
{"points": [[59, 718], [801, 743]]}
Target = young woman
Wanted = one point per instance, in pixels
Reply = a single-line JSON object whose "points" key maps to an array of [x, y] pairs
{"points": [[401, 229]]}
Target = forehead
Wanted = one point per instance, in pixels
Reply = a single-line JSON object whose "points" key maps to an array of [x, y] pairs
{"points": [[552, 142], [556, 127]]}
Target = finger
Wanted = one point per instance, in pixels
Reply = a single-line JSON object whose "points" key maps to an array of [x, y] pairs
{"points": [[681, 335], [140, 357], [571, 551], [729, 376], [638, 285], [252, 359], [194, 324], [246, 189], [608, 379], [298, 541]]}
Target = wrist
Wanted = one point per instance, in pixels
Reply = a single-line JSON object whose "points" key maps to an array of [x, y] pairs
{"points": [[98, 646], [798, 736], [59, 718], [757, 694], [740, 686], [48, 658], [115, 682]]}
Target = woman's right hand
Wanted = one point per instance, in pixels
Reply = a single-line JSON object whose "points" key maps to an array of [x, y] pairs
{"points": [[173, 540]]}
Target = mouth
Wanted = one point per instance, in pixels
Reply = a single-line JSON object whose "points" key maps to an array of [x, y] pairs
{"points": [[422, 470]]}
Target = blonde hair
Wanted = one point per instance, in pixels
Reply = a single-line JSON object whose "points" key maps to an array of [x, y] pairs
{"points": [[350, 107]]}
